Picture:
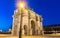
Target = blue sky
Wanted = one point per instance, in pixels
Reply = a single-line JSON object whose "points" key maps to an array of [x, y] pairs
{"points": [[49, 9]]}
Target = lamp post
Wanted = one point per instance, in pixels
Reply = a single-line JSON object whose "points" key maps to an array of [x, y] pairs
{"points": [[21, 7], [20, 31]]}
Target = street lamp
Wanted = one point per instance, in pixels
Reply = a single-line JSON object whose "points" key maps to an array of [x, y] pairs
{"points": [[21, 6]]}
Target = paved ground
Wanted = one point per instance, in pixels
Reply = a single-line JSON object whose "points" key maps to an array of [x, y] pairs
{"points": [[38, 37], [46, 36], [29, 37], [7, 36]]}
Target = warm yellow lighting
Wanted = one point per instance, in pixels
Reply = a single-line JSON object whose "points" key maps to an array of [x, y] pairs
{"points": [[21, 4]]}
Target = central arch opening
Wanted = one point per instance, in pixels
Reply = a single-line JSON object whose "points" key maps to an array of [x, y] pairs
{"points": [[33, 27]]}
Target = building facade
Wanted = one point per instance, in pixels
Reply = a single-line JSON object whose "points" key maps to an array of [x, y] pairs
{"points": [[28, 22], [52, 29]]}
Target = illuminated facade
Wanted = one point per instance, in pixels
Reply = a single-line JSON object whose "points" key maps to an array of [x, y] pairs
{"points": [[31, 22], [26, 21]]}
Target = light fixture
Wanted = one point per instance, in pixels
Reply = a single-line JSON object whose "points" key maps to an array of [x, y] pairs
{"points": [[21, 4]]}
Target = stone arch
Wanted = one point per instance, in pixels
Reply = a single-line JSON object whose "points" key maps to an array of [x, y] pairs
{"points": [[40, 19], [33, 27], [36, 18], [25, 29]]}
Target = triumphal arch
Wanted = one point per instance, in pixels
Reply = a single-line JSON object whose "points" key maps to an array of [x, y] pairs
{"points": [[26, 22]]}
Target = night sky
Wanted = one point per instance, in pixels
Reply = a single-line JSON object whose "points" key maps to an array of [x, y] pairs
{"points": [[48, 9]]}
